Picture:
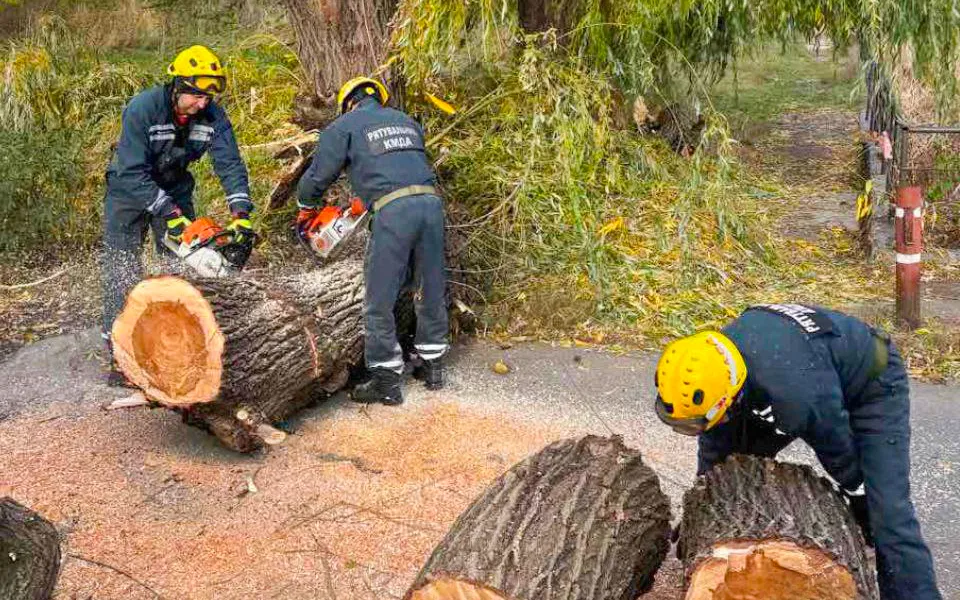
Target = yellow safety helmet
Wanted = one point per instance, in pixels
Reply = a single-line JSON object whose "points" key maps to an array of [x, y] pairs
{"points": [[374, 87], [199, 71], [698, 378]]}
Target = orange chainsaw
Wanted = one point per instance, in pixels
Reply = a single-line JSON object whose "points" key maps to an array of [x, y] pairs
{"points": [[211, 250], [331, 226]]}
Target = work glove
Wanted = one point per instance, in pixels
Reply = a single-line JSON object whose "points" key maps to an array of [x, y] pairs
{"points": [[304, 216], [861, 514], [241, 227], [176, 224]]}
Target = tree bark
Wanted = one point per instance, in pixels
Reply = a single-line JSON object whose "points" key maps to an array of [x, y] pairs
{"points": [[235, 355], [756, 528], [340, 39], [580, 519], [540, 15], [29, 553]]}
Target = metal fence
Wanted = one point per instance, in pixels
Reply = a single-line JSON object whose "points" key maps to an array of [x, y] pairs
{"points": [[917, 185], [882, 115]]}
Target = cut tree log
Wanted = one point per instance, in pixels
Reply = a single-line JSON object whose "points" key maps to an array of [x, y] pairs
{"points": [[236, 355], [581, 519], [211, 348], [756, 528], [29, 553]]}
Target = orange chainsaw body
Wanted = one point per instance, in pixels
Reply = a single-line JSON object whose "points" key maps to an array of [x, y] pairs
{"points": [[332, 225], [201, 231]]}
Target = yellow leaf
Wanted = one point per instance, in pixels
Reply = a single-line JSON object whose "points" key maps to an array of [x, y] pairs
{"points": [[500, 368], [445, 107], [923, 331], [581, 344], [611, 226]]}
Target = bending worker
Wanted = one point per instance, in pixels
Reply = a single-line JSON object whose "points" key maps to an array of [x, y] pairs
{"points": [[383, 149], [786, 371], [165, 128]]}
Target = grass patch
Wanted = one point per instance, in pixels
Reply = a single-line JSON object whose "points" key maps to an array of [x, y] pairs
{"points": [[775, 80]]}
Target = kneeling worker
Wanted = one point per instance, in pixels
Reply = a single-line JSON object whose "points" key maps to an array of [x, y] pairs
{"points": [[786, 371], [383, 150]]}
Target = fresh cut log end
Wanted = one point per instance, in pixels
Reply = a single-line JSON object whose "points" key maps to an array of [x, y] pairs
{"points": [[772, 570], [168, 343], [455, 589], [581, 519], [756, 528]]}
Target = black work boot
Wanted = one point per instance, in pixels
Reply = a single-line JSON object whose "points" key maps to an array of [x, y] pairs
{"points": [[430, 372], [384, 387]]}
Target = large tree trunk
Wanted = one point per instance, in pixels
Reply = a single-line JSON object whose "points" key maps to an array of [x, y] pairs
{"points": [[581, 519], [540, 15], [29, 553], [340, 39], [238, 354], [756, 528]]}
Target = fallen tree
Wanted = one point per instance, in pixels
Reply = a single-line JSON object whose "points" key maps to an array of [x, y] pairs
{"points": [[756, 528], [29, 553], [580, 519], [236, 355]]}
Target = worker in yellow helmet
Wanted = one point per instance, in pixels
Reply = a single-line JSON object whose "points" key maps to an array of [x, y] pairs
{"points": [[785, 371], [164, 129], [383, 150]]}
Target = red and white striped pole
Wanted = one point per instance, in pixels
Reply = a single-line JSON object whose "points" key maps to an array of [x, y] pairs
{"points": [[909, 238]]}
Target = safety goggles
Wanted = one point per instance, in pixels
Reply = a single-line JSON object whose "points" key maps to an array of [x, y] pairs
{"points": [[695, 425], [208, 85]]}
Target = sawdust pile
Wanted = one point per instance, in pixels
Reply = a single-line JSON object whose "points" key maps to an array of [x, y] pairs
{"points": [[349, 508]]}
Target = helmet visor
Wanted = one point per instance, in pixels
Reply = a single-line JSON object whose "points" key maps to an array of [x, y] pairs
{"points": [[694, 426], [209, 85]]}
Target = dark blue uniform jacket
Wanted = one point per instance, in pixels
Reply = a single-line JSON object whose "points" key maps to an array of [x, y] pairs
{"points": [[382, 148], [153, 153], [805, 374]]}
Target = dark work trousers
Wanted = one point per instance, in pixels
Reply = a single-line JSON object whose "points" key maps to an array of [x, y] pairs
{"points": [[407, 228], [124, 231], [880, 422], [881, 426]]}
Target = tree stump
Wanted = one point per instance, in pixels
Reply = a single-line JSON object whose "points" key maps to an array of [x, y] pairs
{"points": [[29, 553], [756, 528], [235, 355], [580, 519]]}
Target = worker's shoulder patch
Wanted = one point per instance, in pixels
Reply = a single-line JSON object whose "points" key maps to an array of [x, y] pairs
{"points": [[384, 138], [809, 320]]}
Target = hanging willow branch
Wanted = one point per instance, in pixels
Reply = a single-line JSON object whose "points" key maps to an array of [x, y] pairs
{"points": [[638, 41]]}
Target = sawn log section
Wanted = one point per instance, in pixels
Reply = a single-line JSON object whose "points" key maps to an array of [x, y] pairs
{"points": [[235, 355], [29, 553], [582, 519], [756, 528]]}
